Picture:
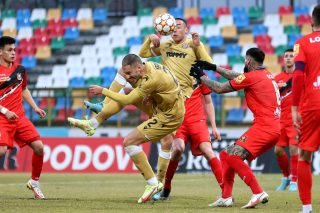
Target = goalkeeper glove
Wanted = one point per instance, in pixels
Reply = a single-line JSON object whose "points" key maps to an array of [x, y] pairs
{"points": [[205, 65]]}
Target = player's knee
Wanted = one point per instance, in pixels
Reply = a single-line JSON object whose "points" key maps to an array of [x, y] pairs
{"points": [[293, 149], [278, 151], [3, 150], [305, 155], [37, 147]]}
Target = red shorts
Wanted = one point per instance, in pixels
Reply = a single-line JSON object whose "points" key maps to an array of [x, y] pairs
{"points": [[195, 132], [288, 135], [310, 131], [21, 131], [256, 140]]}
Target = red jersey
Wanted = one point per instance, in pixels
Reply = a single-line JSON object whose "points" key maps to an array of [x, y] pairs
{"points": [[307, 50], [194, 106], [262, 97], [283, 80], [12, 81]]}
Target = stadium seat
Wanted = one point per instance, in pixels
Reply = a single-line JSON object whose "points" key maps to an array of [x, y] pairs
{"points": [[120, 51], [7, 13], [23, 14], [8, 23], [147, 31], [106, 61], [270, 59], [275, 69], [255, 12], [284, 10], [194, 20], [25, 33], [176, 12], [56, 32], [212, 30], [225, 20], [215, 41], [75, 71], [220, 58], [279, 40], [293, 38], [206, 12], [43, 52], [77, 82], [54, 13], [239, 11], [130, 21], [59, 70], [235, 115], [275, 30], [78, 113], [23, 23], [222, 11], [231, 102], [289, 19], [242, 21], [10, 32], [229, 32], [301, 10], [23, 43], [42, 41], [93, 81], [233, 50], [92, 70], [245, 38], [303, 19], [116, 31], [100, 15], [292, 29], [38, 14], [57, 43], [29, 62], [197, 28], [39, 23], [209, 21], [103, 41], [144, 12], [54, 23], [44, 81], [279, 50], [71, 34], [259, 30], [84, 14], [266, 48], [132, 31], [306, 29], [138, 40], [159, 10], [86, 25], [248, 118], [61, 115], [145, 21], [190, 12], [271, 20], [69, 13], [235, 60], [68, 23]]}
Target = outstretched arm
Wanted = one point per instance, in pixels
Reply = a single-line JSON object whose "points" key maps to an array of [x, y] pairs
{"points": [[217, 87], [228, 74]]}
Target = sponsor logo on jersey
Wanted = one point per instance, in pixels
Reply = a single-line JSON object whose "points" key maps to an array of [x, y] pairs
{"points": [[315, 39], [316, 84], [296, 49], [243, 139], [19, 77], [240, 78], [177, 55], [185, 46]]}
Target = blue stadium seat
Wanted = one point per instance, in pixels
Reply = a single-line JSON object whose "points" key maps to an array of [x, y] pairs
{"points": [[207, 12], [293, 38], [23, 23], [235, 115], [215, 41], [176, 12], [29, 62], [238, 11], [100, 14], [71, 33], [77, 82], [23, 14], [301, 10], [108, 72], [259, 30], [78, 113], [69, 13], [134, 41], [233, 50], [241, 21], [63, 102]]}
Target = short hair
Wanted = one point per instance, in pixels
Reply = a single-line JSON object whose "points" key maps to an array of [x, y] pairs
{"points": [[4, 40], [316, 15], [183, 20], [131, 59], [288, 50], [257, 54]]}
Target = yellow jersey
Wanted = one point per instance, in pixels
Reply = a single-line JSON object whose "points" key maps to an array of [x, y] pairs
{"points": [[178, 58]]}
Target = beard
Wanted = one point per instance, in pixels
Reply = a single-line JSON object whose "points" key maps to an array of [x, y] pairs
{"points": [[245, 69]]}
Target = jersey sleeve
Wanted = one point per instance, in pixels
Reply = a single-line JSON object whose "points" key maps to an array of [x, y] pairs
{"points": [[299, 52], [241, 82], [205, 90], [147, 86], [25, 79]]}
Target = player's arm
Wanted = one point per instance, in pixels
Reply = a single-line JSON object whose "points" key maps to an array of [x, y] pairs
{"points": [[131, 98], [216, 86], [228, 74], [150, 47], [209, 108], [200, 50], [26, 95]]}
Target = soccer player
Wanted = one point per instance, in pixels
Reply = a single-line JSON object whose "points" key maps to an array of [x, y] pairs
{"points": [[288, 132], [14, 125], [154, 80], [194, 129], [263, 98], [306, 77]]}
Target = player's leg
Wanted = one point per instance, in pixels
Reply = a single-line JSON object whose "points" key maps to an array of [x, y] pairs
{"points": [[164, 156], [214, 162], [293, 149], [283, 162], [3, 150]]}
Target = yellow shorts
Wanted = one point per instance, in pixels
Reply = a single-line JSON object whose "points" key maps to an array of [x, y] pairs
{"points": [[155, 128]]}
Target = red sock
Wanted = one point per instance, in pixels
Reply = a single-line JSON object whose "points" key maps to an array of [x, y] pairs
{"points": [[37, 162], [217, 170], [283, 164], [294, 167], [244, 173], [170, 173], [304, 182], [228, 176]]}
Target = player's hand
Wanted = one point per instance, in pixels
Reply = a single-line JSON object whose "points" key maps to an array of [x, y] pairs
{"points": [[155, 40], [40, 112], [195, 39], [147, 100], [205, 65], [296, 118], [216, 134], [196, 72], [11, 116], [95, 90]]}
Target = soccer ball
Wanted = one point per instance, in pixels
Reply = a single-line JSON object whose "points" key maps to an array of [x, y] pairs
{"points": [[164, 24]]}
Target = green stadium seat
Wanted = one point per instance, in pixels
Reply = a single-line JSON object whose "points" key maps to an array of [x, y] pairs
{"points": [[209, 21], [93, 81], [8, 14], [292, 29], [255, 12], [147, 31], [118, 51], [39, 24], [57, 43], [235, 60], [144, 12], [280, 49], [203, 39]]}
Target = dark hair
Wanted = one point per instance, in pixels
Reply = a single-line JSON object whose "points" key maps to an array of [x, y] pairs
{"points": [[257, 54], [183, 20], [131, 59], [288, 50], [4, 40], [316, 15]]}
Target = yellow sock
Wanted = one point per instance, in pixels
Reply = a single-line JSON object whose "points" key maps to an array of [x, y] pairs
{"points": [[142, 163], [163, 162]]}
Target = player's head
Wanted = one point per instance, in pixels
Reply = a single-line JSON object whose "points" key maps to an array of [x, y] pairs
{"points": [[180, 31], [132, 67], [254, 59], [288, 59], [7, 49], [316, 17]]}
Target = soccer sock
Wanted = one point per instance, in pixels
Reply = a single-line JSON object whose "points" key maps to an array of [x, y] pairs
{"points": [[294, 167], [304, 182], [228, 176], [37, 162], [94, 122], [244, 173], [170, 173], [216, 170], [163, 162], [283, 164]]}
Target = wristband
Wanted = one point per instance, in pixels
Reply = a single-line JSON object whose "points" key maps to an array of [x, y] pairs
{"points": [[4, 110], [120, 79]]}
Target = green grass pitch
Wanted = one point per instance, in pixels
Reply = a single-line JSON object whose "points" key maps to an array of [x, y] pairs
{"points": [[120, 192]]}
